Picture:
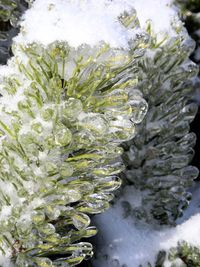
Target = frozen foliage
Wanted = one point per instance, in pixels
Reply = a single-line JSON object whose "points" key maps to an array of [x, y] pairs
{"points": [[158, 183], [61, 127], [157, 159], [11, 10], [190, 12], [182, 255], [64, 112], [124, 242]]}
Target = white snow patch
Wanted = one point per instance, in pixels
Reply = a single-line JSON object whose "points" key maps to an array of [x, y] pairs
{"points": [[124, 241], [5, 212], [91, 21], [5, 70], [159, 12], [5, 261]]}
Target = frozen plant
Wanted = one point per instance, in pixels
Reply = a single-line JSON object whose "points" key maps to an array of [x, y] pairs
{"points": [[67, 103], [158, 158], [182, 255], [158, 175], [190, 14]]}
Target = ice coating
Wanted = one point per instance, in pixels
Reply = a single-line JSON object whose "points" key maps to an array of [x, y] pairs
{"points": [[72, 108]]}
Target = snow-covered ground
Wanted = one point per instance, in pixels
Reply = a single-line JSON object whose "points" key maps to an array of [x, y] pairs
{"points": [[125, 242]]}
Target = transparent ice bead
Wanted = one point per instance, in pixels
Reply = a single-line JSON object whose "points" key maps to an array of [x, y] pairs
{"points": [[71, 108], [121, 129], [80, 220], [63, 136], [94, 123]]}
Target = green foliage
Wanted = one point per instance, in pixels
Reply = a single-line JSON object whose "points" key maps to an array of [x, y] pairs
{"points": [[64, 113]]}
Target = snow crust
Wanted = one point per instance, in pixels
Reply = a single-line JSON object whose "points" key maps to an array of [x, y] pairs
{"points": [[125, 241], [91, 21]]}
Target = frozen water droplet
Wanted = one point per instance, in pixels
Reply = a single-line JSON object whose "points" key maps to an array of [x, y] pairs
{"points": [[139, 108], [66, 170], [37, 127], [72, 195], [116, 98], [51, 168], [44, 262], [94, 123], [71, 108], [122, 129], [47, 229], [63, 136], [47, 113], [38, 217], [80, 220]]}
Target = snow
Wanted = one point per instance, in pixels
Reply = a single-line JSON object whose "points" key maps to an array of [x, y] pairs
{"points": [[91, 21], [5, 262], [122, 240], [5, 70], [159, 12]]}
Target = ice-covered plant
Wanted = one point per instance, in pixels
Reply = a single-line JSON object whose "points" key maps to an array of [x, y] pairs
{"points": [[190, 14], [64, 112], [158, 175], [11, 10], [158, 158], [182, 255]]}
